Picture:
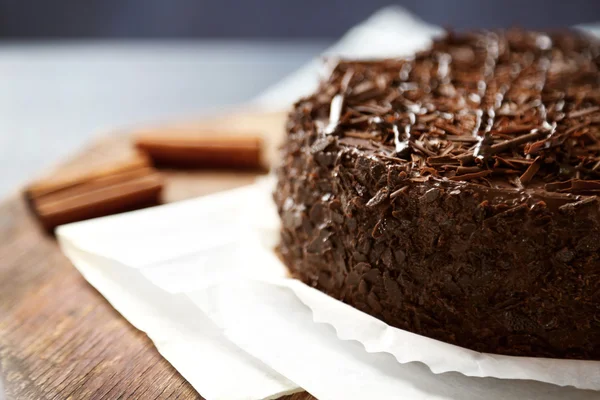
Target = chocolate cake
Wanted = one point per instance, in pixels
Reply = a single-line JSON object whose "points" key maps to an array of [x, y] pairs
{"points": [[454, 194]]}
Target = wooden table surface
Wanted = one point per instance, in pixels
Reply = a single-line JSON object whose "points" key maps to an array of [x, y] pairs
{"points": [[59, 338]]}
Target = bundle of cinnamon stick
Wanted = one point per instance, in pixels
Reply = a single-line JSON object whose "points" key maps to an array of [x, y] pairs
{"points": [[212, 150], [125, 186], [135, 183]]}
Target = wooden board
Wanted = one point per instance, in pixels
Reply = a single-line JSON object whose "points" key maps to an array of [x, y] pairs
{"points": [[59, 338]]}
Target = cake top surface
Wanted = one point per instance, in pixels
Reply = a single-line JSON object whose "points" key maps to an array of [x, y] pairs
{"points": [[499, 109]]}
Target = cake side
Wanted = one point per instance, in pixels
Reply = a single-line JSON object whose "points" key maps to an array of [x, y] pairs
{"points": [[454, 195]]}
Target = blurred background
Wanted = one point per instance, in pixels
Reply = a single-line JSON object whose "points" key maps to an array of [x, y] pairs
{"points": [[73, 69], [265, 18]]}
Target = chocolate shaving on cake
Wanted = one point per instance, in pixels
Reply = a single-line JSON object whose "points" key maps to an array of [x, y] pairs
{"points": [[473, 175], [531, 171], [490, 94]]}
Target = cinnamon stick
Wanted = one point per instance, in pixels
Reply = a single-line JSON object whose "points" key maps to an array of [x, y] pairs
{"points": [[173, 149], [70, 179], [117, 188]]}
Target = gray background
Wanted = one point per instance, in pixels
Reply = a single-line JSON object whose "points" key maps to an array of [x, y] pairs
{"points": [[56, 96], [267, 18]]}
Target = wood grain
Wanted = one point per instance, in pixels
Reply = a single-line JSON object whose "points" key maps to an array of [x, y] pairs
{"points": [[59, 338]]}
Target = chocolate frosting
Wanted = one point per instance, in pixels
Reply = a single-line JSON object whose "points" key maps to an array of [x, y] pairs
{"points": [[454, 194], [514, 109]]}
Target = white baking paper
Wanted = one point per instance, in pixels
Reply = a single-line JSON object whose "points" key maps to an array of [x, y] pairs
{"points": [[271, 323], [233, 280], [125, 256]]}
